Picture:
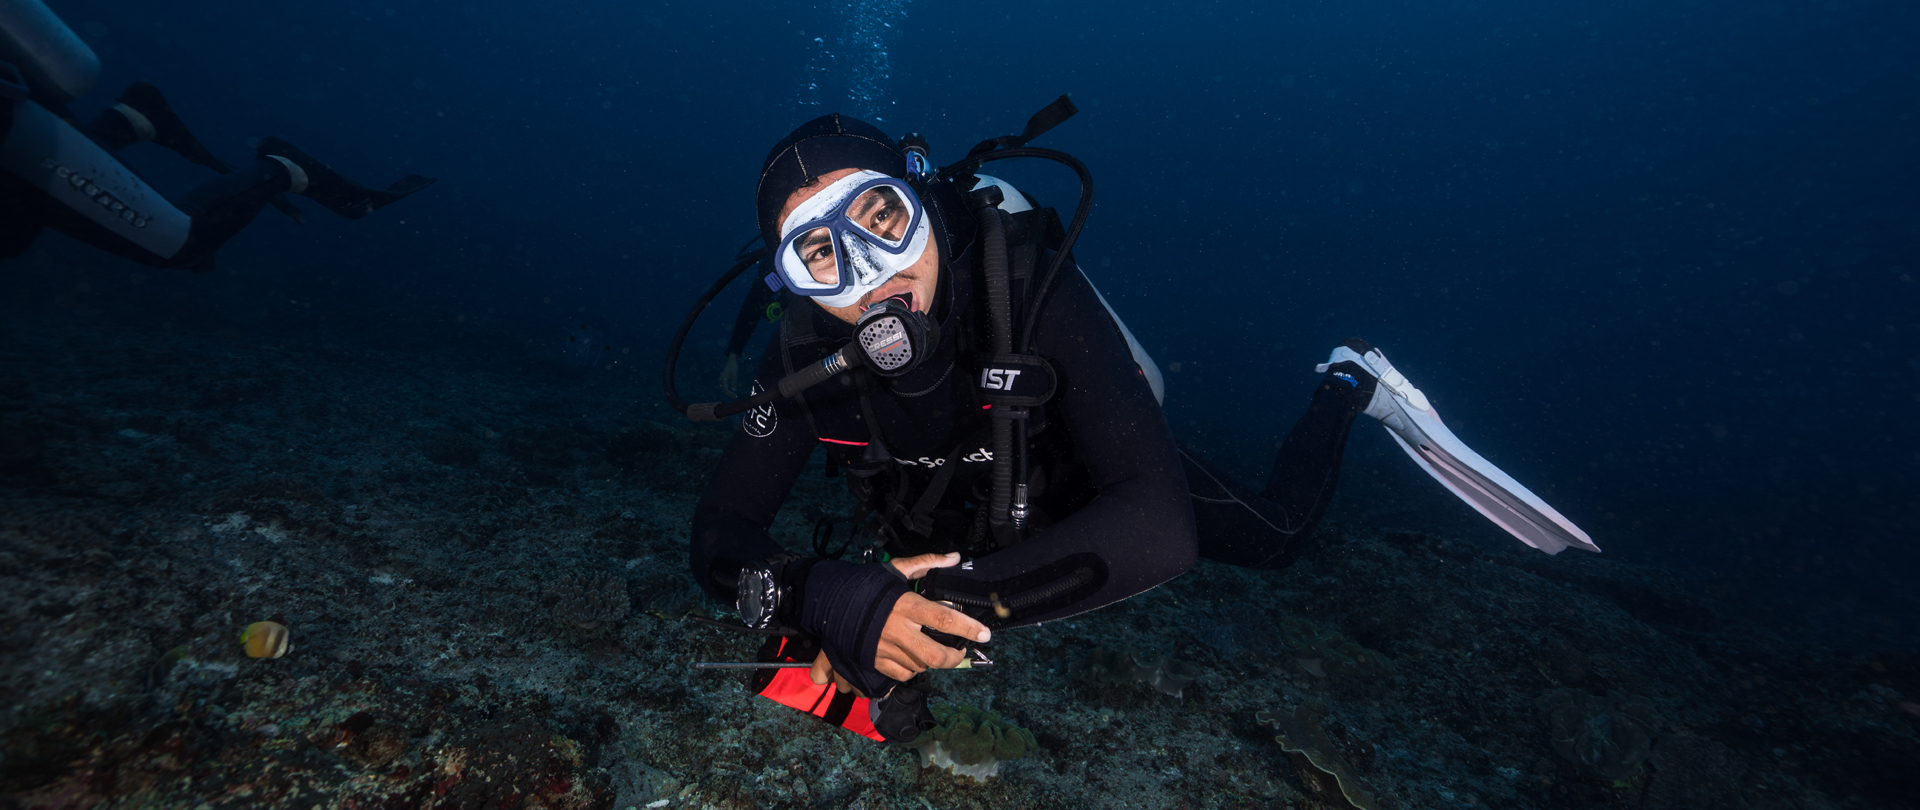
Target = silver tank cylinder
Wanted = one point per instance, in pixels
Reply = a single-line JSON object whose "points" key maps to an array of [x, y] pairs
{"points": [[55, 62]]}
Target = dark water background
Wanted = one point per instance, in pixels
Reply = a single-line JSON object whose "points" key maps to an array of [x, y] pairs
{"points": [[1657, 259]]}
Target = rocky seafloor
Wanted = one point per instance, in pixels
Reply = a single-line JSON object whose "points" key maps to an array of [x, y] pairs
{"points": [[415, 521]]}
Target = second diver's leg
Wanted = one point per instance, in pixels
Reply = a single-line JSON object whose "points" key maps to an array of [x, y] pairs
{"points": [[147, 110], [223, 205], [216, 210], [335, 191], [115, 129], [1269, 529], [142, 113]]}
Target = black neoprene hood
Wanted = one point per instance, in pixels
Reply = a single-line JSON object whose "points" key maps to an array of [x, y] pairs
{"points": [[825, 144]]}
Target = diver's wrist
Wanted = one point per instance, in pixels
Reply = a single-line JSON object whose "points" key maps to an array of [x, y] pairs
{"points": [[770, 591]]}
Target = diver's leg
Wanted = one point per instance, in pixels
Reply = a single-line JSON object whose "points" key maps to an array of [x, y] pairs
{"points": [[115, 130], [220, 207], [216, 210], [149, 114], [1270, 529], [143, 114], [333, 190], [1307, 466]]}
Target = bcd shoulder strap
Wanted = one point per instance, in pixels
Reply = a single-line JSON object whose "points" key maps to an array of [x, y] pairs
{"points": [[1020, 380]]}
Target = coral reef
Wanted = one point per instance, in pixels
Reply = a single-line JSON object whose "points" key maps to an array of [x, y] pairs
{"points": [[1327, 654], [354, 740], [971, 742], [1301, 735], [1105, 667], [142, 528], [1606, 737], [1214, 630], [588, 600], [672, 596], [1694, 773]]}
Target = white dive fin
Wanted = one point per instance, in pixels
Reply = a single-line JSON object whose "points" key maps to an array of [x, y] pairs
{"points": [[1414, 425]]}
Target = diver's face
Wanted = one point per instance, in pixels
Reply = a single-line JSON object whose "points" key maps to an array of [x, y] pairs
{"points": [[916, 282]]}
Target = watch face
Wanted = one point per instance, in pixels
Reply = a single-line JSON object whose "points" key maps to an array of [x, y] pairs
{"points": [[750, 602]]}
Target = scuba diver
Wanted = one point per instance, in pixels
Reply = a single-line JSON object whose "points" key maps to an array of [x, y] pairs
{"points": [[62, 174], [999, 427]]}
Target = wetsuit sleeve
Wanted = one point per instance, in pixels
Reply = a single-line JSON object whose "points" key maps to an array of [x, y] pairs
{"points": [[758, 467], [1138, 531]]}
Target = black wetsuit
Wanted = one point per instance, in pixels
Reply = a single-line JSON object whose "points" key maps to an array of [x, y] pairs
{"points": [[1120, 508]]}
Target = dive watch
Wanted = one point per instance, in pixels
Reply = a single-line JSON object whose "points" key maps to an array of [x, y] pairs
{"points": [[762, 591]]}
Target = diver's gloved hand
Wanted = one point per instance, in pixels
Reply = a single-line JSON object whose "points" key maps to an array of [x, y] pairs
{"points": [[870, 624]]}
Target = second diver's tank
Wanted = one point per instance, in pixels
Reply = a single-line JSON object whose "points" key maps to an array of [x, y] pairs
{"points": [[57, 65]]}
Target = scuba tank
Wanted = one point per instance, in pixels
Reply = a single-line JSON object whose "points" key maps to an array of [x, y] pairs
{"points": [[56, 64]]}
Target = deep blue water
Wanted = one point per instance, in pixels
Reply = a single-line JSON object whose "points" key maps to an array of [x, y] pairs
{"points": [[1657, 259]]}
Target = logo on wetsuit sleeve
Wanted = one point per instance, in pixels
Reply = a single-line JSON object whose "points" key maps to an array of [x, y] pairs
{"points": [[760, 422]]}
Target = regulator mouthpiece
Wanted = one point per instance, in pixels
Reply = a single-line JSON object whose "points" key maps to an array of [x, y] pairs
{"points": [[891, 338]]}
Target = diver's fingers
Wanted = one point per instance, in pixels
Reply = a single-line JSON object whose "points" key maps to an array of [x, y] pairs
{"points": [[845, 686], [942, 618], [903, 643], [893, 670], [917, 567], [821, 671], [929, 654]]}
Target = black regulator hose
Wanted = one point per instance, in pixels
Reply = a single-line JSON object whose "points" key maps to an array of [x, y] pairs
{"points": [[890, 339], [680, 337], [1074, 226], [1000, 304]]}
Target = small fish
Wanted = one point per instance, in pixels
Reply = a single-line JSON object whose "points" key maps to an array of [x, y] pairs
{"points": [[265, 640]]}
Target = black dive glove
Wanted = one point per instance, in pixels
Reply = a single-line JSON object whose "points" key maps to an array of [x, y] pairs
{"points": [[846, 606]]}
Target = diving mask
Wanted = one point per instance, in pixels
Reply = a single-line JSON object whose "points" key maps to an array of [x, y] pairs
{"points": [[849, 238]]}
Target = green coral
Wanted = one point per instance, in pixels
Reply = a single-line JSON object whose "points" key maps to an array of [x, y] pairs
{"points": [[1302, 737], [1104, 667], [971, 742], [1329, 654], [1607, 737]]}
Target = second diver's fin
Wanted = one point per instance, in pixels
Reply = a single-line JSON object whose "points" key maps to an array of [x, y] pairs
{"points": [[333, 190], [1414, 425]]}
